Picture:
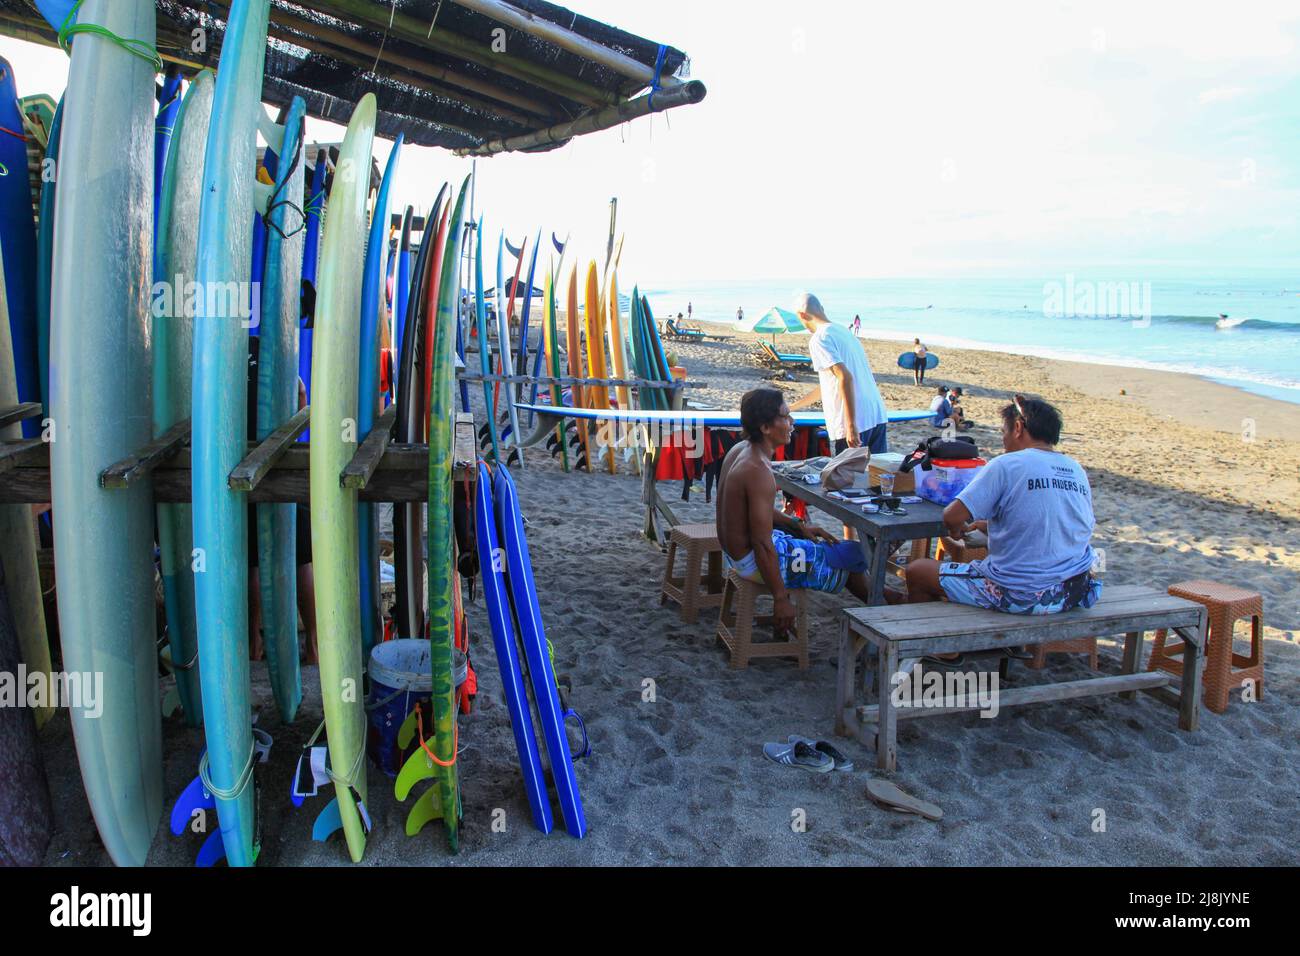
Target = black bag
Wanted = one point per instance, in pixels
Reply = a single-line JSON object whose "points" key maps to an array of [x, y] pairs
{"points": [[945, 449]]}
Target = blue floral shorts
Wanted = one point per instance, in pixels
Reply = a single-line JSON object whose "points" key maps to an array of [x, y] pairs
{"points": [[967, 584]]}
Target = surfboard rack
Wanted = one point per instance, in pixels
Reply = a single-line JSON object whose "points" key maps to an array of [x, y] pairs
{"points": [[274, 470]]}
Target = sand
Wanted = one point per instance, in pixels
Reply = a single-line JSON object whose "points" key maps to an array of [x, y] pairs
{"points": [[677, 776]]}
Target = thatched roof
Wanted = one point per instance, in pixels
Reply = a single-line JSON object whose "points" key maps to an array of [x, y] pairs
{"points": [[476, 76]]}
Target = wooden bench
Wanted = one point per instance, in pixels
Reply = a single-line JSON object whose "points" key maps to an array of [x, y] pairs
{"points": [[902, 633]]}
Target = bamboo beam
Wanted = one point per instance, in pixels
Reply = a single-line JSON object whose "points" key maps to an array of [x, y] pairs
{"points": [[129, 470], [420, 70], [684, 95], [408, 28], [566, 39], [26, 451]]}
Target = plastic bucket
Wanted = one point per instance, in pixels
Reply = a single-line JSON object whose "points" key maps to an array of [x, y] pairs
{"points": [[401, 676]]}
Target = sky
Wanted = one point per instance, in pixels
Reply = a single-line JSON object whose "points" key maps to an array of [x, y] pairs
{"points": [[872, 139]]}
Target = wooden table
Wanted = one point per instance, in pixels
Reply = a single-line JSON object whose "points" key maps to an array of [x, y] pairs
{"points": [[876, 532], [905, 632]]}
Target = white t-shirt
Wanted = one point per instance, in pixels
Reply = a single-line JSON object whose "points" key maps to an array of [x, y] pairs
{"points": [[1039, 508], [835, 345]]}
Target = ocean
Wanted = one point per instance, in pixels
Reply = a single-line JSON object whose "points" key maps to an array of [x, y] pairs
{"points": [[1241, 332]]}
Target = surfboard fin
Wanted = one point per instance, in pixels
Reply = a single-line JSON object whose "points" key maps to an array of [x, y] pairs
{"points": [[327, 822], [271, 131], [406, 732], [428, 807], [262, 194], [213, 850], [417, 767], [195, 798]]}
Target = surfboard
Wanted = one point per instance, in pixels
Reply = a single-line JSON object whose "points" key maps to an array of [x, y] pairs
{"points": [[101, 412], [505, 359], [310, 257], [175, 251], [617, 340], [18, 541], [532, 633], [443, 800], [553, 358], [484, 351], [408, 554], [333, 507], [277, 401], [45, 252], [18, 241], [425, 356], [573, 353], [597, 395], [369, 401], [220, 427], [523, 326], [501, 619], [908, 361], [401, 291], [169, 104]]}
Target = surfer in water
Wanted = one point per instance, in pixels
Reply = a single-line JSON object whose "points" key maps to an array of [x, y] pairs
{"points": [[761, 543]]}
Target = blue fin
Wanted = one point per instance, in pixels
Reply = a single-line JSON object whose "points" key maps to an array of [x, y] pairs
{"points": [[194, 797], [327, 822], [213, 850]]}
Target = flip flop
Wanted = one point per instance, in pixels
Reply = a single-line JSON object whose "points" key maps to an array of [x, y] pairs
{"points": [[888, 795], [822, 746], [799, 755]]}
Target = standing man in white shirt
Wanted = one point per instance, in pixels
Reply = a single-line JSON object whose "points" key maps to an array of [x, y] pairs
{"points": [[855, 413]]}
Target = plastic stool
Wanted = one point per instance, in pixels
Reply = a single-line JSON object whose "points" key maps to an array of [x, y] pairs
{"points": [[1227, 605]]}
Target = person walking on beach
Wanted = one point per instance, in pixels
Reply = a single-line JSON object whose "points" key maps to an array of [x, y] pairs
{"points": [[857, 325], [918, 367], [740, 314], [759, 542], [1035, 505], [855, 413]]}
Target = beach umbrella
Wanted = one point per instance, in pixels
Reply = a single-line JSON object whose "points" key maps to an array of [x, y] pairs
{"points": [[774, 320]]}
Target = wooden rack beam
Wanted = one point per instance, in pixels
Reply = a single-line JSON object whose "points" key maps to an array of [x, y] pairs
{"points": [[129, 470], [27, 451], [19, 413], [249, 473], [357, 472]]}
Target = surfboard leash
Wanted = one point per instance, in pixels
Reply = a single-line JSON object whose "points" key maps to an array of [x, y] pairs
{"points": [[69, 28]]}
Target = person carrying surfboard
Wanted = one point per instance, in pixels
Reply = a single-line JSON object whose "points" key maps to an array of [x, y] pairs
{"points": [[763, 544], [918, 369], [855, 413]]}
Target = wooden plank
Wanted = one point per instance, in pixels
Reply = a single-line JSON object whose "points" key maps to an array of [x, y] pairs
{"points": [[464, 447], [366, 459], [248, 474], [1189, 703], [887, 713], [1133, 641], [945, 610], [19, 413], [1017, 696], [128, 471], [25, 451], [850, 647]]}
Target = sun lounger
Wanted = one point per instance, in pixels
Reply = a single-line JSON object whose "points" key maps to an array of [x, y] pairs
{"points": [[781, 359], [673, 331]]}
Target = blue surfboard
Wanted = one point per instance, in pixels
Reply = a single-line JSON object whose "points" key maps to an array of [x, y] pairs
{"points": [[541, 675], [18, 243], [503, 639]]}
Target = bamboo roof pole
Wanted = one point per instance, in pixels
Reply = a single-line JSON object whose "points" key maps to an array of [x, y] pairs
{"points": [[357, 56], [36, 30], [566, 39], [683, 95], [416, 66], [346, 56], [409, 28]]}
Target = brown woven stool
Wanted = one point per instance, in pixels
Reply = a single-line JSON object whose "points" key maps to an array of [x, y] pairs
{"points": [[694, 589], [1226, 604], [738, 616]]}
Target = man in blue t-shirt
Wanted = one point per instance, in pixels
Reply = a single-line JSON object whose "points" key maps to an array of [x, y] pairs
{"points": [[1035, 505]]}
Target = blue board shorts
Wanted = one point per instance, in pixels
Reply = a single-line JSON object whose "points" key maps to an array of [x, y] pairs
{"points": [[968, 584], [806, 564]]}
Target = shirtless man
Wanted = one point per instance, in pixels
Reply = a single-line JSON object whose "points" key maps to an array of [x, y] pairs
{"points": [[761, 543]]}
